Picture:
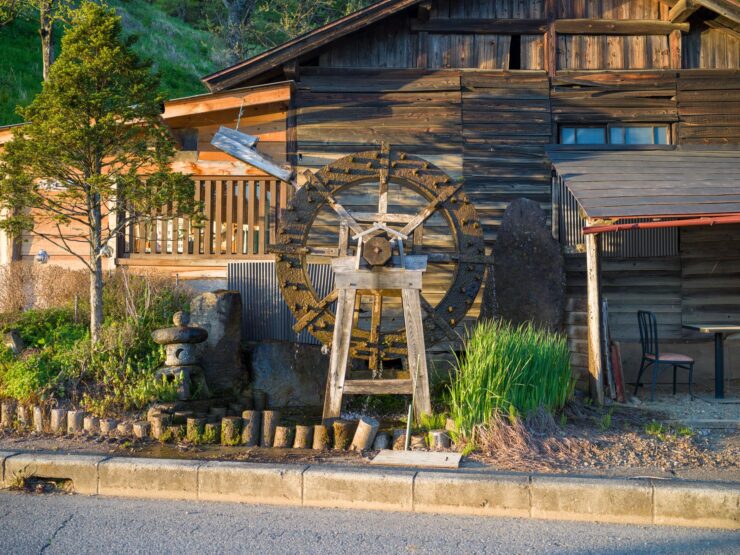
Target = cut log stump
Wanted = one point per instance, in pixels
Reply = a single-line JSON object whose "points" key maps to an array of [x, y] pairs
{"points": [[343, 431], [58, 421], [270, 419], [38, 419], [7, 413], [251, 427], [231, 430], [439, 439], [367, 428], [382, 441], [194, 429], [283, 437], [75, 419], [91, 424], [212, 432], [141, 429], [303, 437], [321, 437], [108, 425]]}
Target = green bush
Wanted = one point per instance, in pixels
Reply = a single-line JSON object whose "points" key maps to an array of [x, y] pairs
{"points": [[509, 370], [116, 374]]}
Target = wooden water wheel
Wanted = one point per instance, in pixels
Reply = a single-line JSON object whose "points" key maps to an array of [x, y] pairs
{"points": [[408, 195]]}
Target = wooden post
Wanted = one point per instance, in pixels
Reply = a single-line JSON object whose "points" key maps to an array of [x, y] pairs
{"points": [[74, 421], [551, 41], [303, 437], [417, 354], [270, 419], [283, 437], [593, 301], [321, 437], [674, 46], [343, 430], [365, 434], [251, 427], [38, 419], [339, 353]]}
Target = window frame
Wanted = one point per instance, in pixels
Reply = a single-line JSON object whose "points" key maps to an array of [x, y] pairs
{"points": [[608, 126]]}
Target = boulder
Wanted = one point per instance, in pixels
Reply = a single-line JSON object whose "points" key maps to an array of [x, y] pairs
{"points": [[528, 268], [292, 374], [220, 314], [13, 341]]}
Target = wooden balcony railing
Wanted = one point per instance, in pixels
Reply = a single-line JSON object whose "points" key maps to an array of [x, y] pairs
{"points": [[241, 217]]}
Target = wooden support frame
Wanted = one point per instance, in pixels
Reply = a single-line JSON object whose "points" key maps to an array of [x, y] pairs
{"points": [[351, 284], [593, 301]]}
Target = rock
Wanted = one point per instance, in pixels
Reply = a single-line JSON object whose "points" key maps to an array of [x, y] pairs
{"points": [[528, 268], [13, 341], [293, 374], [220, 314]]}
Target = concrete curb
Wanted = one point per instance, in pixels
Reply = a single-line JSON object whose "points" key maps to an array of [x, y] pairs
{"points": [[465, 492]]}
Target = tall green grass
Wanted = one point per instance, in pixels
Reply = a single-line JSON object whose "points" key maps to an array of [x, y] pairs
{"points": [[511, 370]]}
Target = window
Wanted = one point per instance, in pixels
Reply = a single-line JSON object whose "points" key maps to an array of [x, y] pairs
{"points": [[614, 134]]}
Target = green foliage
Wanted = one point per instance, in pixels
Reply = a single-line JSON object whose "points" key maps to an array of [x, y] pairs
{"points": [[509, 370], [657, 429], [435, 421], [606, 421], [117, 373], [209, 435]]}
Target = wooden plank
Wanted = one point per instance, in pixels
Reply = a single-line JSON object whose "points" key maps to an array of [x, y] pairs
{"points": [[416, 351], [229, 100], [421, 459], [480, 26], [241, 185], [339, 353], [251, 207], [218, 218], [208, 231], [378, 387], [230, 239], [262, 244], [198, 231], [272, 214], [617, 27]]}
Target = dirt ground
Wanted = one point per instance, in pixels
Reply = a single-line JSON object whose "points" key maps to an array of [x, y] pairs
{"points": [[635, 440]]}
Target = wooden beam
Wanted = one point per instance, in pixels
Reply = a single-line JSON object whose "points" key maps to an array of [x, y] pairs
{"points": [[682, 10], [617, 27], [551, 41], [492, 26], [727, 8], [674, 48], [593, 300], [291, 69], [378, 387], [231, 100]]}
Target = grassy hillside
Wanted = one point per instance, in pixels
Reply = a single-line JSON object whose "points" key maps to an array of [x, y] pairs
{"points": [[180, 53]]}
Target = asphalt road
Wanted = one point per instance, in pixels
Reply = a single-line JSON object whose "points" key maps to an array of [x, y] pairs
{"points": [[60, 523]]}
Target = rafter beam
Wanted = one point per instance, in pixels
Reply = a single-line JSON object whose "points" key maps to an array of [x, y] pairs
{"points": [[682, 10]]}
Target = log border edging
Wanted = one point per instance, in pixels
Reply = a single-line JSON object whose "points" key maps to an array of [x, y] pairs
{"points": [[462, 492]]}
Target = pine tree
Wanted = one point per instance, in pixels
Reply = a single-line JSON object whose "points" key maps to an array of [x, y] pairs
{"points": [[94, 155]]}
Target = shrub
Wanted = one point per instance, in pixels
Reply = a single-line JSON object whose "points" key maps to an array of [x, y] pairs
{"points": [[507, 369], [117, 373]]}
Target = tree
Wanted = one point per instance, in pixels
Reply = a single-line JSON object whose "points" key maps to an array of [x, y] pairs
{"points": [[94, 156], [234, 23]]}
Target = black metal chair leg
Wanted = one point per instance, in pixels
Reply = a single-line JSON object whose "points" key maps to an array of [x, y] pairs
{"points": [[656, 370], [639, 375], [674, 379]]}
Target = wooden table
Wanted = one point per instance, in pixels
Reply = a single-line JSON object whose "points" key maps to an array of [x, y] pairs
{"points": [[719, 331]]}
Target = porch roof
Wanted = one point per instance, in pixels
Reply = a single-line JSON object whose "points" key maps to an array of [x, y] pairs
{"points": [[665, 183]]}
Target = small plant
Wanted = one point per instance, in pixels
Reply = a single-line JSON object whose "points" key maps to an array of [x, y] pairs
{"points": [[510, 370], [209, 435], [685, 431], [563, 420], [606, 421], [435, 421], [656, 429]]}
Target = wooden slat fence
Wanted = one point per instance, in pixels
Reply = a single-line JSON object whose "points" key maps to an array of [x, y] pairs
{"points": [[241, 219]]}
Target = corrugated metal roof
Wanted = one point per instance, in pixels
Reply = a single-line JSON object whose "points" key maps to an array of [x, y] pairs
{"points": [[651, 183]]}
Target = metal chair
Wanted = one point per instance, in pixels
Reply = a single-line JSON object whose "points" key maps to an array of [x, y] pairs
{"points": [[651, 355]]}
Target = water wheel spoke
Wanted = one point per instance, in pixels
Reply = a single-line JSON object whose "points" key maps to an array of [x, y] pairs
{"points": [[441, 322], [341, 211], [315, 311], [430, 208]]}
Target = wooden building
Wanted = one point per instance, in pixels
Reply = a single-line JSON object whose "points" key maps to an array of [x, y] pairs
{"points": [[481, 88]]}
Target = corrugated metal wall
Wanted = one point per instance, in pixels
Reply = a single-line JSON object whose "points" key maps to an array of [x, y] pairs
{"points": [[620, 244], [264, 312]]}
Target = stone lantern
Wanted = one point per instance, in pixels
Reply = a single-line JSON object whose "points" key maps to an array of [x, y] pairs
{"points": [[182, 361]]}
